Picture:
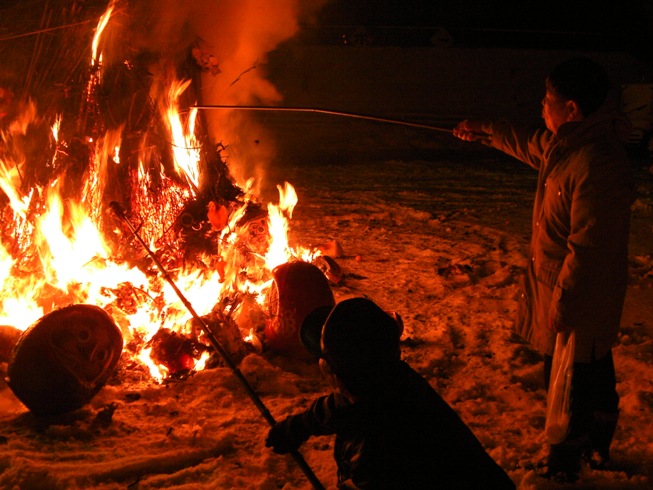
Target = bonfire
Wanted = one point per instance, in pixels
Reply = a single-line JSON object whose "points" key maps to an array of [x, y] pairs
{"points": [[115, 196]]}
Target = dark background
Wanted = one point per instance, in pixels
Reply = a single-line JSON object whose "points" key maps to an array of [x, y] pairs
{"points": [[437, 62], [624, 25]]}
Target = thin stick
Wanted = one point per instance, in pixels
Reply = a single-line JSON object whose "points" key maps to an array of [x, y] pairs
{"points": [[118, 211], [321, 111]]}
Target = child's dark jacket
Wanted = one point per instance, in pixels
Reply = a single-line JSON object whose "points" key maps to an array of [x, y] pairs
{"points": [[403, 435]]}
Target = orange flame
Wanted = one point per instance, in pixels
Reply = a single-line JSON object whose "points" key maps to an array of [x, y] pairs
{"points": [[102, 24], [279, 251], [185, 146]]}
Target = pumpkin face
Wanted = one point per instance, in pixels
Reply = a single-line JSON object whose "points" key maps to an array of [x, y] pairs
{"points": [[61, 362], [298, 289], [83, 348]]}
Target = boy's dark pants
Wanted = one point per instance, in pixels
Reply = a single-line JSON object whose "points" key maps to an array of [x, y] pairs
{"points": [[594, 413]]}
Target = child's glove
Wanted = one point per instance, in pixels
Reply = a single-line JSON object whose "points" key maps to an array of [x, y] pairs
{"points": [[286, 436]]}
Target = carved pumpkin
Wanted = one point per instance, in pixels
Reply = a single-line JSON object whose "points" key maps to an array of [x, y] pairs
{"points": [[62, 361]]}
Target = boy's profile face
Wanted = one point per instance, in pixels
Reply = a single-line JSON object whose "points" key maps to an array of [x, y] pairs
{"points": [[556, 110]]}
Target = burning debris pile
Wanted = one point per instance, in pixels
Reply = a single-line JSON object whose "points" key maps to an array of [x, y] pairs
{"points": [[116, 199]]}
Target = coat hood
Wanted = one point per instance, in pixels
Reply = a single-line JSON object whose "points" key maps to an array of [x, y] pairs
{"points": [[606, 122]]}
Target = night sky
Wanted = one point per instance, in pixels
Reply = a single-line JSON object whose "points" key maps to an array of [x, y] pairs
{"points": [[626, 25]]}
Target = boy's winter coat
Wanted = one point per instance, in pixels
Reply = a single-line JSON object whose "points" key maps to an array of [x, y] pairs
{"points": [[578, 267]]}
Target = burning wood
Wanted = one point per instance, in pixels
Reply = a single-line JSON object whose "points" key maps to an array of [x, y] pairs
{"points": [[181, 354], [175, 351]]}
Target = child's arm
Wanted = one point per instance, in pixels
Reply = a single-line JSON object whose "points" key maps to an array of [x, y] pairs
{"points": [[291, 432]]}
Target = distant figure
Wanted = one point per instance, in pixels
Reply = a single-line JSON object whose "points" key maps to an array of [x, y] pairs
{"points": [[577, 273], [392, 429]]}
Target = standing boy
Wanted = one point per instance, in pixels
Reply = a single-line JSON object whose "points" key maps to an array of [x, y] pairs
{"points": [[577, 273]]}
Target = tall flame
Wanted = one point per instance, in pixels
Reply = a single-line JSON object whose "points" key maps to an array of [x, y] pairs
{"points": [[185, 146], [278, 216], [102, 24]]}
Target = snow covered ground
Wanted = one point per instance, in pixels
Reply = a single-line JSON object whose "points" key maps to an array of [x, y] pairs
{"points": [[442, 242]]}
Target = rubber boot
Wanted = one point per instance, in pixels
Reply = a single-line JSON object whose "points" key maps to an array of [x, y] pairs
{"points": [[564, 461]]}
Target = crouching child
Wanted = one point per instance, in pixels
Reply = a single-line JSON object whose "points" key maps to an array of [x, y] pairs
{"points": [[392, 428]]}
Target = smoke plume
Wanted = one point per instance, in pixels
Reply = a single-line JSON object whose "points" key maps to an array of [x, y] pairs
{"points": [[230, 40]]}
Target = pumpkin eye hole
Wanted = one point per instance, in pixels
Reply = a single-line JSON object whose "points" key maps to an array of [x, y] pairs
{"points": [[101, 355], [84, 335]]}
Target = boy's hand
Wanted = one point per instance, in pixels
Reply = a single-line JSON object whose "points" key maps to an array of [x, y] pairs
{"points": [[472, 130], [286, 436]]}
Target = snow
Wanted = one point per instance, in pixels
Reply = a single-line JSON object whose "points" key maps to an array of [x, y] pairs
{"points": [[442, 241]]}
